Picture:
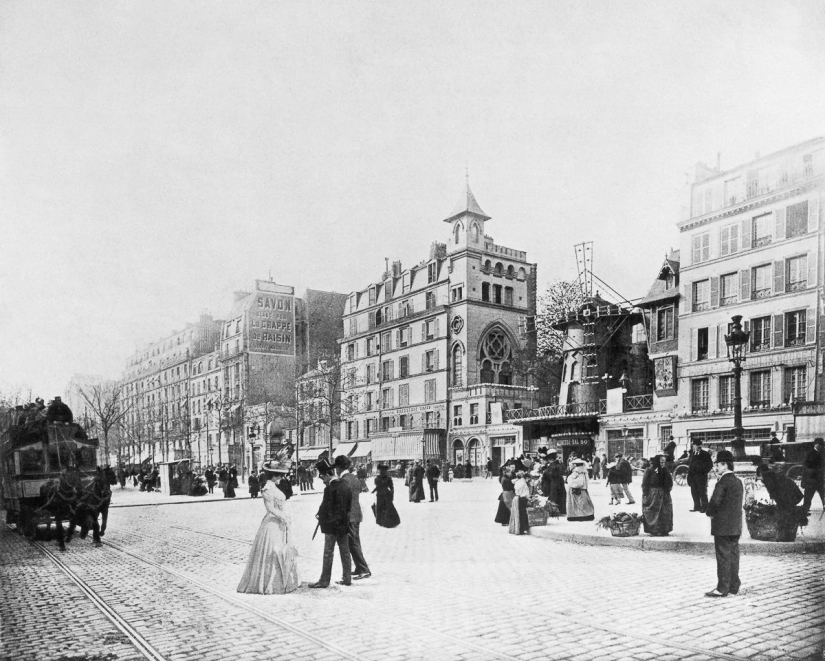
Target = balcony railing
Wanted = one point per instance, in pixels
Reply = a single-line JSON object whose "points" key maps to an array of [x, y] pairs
{"points": [[638, 402], [556, 411]]}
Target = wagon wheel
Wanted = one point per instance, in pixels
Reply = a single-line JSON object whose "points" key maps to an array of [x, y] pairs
{"points": [[795, 473], [680, 474]]}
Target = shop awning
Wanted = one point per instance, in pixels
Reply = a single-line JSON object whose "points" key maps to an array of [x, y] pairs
{"points": [[345, 449], [363, 449]]}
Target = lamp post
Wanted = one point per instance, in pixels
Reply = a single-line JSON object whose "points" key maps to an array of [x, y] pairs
{"points": [[736, 342]]}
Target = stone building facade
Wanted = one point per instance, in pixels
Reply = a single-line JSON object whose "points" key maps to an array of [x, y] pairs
{"points": [[432, 352]]}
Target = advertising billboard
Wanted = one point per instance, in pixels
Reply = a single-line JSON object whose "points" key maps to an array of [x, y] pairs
{"points": [[271, 319]]}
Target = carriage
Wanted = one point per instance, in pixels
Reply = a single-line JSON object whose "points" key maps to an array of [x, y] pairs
{"points": [[35, 448]]}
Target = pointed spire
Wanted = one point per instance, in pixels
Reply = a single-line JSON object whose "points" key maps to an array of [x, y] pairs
{"points": [[467, 203]]}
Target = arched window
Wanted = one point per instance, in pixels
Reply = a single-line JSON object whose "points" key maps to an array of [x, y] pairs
{"points": [[458, 366], [522, 274], [574, 376], [488, 265], [474, 232], [496, 358], [378, 317], [504, 374], [499, 268], [511, 272], [487, 373], [457, 233]]}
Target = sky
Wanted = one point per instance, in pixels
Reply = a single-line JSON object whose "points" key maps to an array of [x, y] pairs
{"points": [[156, 157]]}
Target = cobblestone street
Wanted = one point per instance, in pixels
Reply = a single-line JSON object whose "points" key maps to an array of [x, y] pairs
{"points": [[447, 584]]}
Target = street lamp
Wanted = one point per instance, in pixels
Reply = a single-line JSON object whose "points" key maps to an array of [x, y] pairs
{"points": [[737, 342]]}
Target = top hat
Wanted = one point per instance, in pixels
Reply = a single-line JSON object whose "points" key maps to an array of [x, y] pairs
{"points": [[324, 467]]}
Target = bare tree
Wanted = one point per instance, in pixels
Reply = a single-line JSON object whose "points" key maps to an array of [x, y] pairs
{"points": [[107, 403], [327, 396]]}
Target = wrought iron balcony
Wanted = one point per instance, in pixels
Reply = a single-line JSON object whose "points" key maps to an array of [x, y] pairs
{"points": [[583, 409]]}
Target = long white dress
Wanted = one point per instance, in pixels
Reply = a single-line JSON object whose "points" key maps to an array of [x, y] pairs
{"points": [[272, 567]]}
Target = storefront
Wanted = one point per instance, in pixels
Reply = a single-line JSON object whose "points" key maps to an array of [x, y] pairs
{"points": [[410, 445]]}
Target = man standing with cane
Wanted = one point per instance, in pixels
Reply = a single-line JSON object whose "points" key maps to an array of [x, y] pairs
{"points": [[333, 519], [342, 466]]}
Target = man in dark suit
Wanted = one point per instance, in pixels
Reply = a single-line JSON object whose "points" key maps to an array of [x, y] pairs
{"points": [[433, 471], [626, 475], [813, 474], [333, 519], [699, 466], [342, 467], [725, 512]]}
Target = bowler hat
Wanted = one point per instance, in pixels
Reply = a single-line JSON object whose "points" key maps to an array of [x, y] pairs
{"points": [[724, 456]]}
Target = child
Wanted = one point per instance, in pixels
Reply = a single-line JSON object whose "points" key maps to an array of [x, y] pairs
{"points": [[614, 479]]}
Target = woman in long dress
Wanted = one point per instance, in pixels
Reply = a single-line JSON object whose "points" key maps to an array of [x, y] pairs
{"points": [[505, 499], [272, 567], [519, 525], [385, 512], [579, 505], [657, 504], [417, 483]]}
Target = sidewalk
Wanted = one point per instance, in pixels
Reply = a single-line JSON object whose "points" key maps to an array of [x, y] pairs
{"points": [[133, 497], [691, 530]]}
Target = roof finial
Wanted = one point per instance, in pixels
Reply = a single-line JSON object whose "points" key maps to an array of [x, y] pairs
{"points": [[467, 172]]}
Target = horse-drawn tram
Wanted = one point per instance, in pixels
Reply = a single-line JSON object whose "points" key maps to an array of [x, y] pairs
{"points": [[37, 446]]}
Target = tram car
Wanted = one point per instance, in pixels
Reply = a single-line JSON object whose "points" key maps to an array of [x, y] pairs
{"points": [[36, 446]]}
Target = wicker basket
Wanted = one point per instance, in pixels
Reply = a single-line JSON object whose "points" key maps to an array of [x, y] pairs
{"points": [[771, 527], [537, 516], [625, 528]]}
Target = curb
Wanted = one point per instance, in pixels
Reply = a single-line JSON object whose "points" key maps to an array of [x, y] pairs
{"points": [[749, 547]]}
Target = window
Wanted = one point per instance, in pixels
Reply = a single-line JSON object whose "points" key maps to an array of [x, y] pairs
{"points": [[795, 384], [429, 390], [429, 300], [473, 414], [371, 374], [497, 294], [761, 334], [796, 219], [762, 230], [752, 183], [429, 361], [404, 395], [702, 344], [508, 295], [808, 165], [760, 388], [487, 374], [457, 293], [405, 421], [726, 393], [404, 367], [499, 268], [457, 415], [457, 233], [404, 309], [732, 190], [701, 295], [386, 370], [485, 291], [386, 423], [386, 398], [429, 329], [386, 343], [350, 352], [729, 288], [432, 272], [796, 273], [701, 247], [762, 281], [729, 239], [352, 430], [369, 401], [404, 336], [496, 356], [474, 232], [458, 366], [664, 324], [372, 295], [795, 328], [370, 346], [370, 426], [699, 395]]}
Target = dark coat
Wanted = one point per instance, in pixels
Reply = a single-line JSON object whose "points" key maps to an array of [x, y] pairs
{"points": [[625, 471], [333, 515], [725, 506], [354, 485], [813, 469], [285, 486], [782, 489], [433, 472], [699, 465]]}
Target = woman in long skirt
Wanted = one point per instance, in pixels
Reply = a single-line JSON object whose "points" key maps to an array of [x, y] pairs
{"points": [[417, 483], [657, 504], [519, 525], [385, 512], [505, 499], [272, 567], [579, 504]]}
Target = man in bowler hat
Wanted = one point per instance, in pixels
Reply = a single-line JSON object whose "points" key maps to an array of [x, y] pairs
{"points": [[333, 518], [725, 512], [699, 466], [342, 467]]}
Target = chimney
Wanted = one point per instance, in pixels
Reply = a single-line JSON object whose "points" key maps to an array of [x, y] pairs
{"points": [[438, 250], [396, 269]]}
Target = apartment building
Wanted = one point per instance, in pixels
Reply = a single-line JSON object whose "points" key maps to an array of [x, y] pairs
{"points": [[752, 246], [431, 352]]}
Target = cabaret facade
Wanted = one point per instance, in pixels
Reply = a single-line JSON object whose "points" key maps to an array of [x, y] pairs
{"points": [[431, 353]]}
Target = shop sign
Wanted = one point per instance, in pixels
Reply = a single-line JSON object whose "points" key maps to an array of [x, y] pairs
{"points": [[503, 441]]}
